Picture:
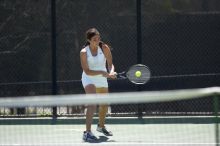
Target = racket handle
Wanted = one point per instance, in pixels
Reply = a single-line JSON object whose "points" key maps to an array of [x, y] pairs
{"points": [[121, 75]]}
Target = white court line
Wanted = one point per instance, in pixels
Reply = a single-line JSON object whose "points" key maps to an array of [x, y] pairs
{"points": [[78, 130], [108, 144]]}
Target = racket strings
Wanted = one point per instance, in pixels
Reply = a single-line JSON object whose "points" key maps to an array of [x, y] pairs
{"points": [[143, 78]]}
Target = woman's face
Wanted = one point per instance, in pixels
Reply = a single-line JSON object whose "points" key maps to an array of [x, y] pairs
{"points": [[95, 40]]}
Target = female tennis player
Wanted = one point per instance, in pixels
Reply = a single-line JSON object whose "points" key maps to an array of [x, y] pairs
{"points": [[93, 58]]}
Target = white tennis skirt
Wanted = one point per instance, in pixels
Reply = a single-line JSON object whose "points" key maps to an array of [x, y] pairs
{"points": [[99, 81]]}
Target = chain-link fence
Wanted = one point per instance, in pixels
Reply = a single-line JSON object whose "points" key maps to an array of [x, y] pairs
{"points": [[178, 40]]}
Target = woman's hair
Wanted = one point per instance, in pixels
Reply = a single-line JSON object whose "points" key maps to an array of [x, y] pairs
{"points": [[91, 33]]}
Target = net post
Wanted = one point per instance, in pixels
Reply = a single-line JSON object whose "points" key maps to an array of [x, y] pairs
{"points": [[139, 49], [140, 106], [216, 119], [139, 34], [54, 54]]}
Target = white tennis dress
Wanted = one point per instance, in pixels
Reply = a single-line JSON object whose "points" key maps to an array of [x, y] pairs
{"points": [[97, 62]]}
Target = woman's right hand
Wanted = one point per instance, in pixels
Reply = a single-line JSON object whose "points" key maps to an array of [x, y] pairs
{"points": [[105, 74]]}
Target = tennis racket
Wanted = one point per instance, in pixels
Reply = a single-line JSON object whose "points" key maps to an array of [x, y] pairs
{"points": [[137, 74]]}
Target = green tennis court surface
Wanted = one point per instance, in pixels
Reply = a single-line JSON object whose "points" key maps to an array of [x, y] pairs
{"points": [[147, 131]]}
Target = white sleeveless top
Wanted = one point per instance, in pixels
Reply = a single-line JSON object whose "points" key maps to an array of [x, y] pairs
{"points": [[97, 62]]}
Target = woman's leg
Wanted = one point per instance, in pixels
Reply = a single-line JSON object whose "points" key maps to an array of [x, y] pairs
{"points": [[103, 109], [91, 109]]}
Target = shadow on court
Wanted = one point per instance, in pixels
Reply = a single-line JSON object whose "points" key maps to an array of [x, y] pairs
{"points": [[103, 139]]}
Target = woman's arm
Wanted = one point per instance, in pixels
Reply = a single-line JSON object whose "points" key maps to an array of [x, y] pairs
{"points": [[108, 55]]}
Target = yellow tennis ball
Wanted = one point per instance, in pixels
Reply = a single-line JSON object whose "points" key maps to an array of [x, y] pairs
{"points": [[138, 74]]}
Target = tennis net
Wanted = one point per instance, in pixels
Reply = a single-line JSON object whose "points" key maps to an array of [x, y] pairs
{"points": [[154, 129]]}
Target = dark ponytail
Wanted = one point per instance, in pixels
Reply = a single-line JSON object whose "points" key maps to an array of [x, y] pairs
{"points": [[101, 44]]}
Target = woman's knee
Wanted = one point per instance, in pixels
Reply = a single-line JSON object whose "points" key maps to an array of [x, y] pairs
{"points": [[103, 108]]}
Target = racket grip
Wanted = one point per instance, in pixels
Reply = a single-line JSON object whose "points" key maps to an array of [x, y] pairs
{"points": [[121, 75]]}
